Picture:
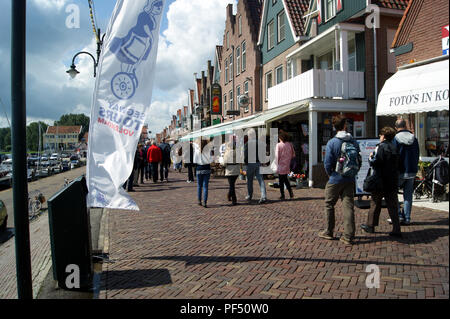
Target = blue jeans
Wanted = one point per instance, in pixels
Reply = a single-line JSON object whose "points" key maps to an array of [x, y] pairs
{"points": [[252, 171], [408, 190], [202, 184]]}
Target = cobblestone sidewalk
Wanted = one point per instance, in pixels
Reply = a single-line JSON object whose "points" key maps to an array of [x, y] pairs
{"points": [[174, 248]]}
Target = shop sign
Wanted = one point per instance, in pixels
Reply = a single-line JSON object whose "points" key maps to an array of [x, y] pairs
{"points": [[216, 99], [445, 40], [419, 98]]}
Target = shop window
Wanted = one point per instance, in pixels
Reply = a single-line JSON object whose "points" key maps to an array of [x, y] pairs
{"points": [[437, 133]]}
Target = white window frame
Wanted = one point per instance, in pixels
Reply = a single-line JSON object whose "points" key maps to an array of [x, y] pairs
{"points": [[225, 103], [238, 60], [277, 73], [231, 95], [244, 55], [240, 25], [270, 35], [282, 13], [238, 93], [230, 58], [328, 15], [270, 73], [226, 70], [246, 92]]}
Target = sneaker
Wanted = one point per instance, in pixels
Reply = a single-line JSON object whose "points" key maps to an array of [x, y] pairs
{"points": [[188, 181], [346, 241], [325, 235], [405, 222], [262, 201], [367, 229], [401, 219], [248, 198]]}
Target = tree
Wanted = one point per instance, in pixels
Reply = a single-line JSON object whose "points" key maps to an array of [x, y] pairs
{"points": [[3, 139], [33, 135], [75, 120]]}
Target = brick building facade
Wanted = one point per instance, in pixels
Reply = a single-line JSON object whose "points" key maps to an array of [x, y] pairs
{"points": [[240, 63]]}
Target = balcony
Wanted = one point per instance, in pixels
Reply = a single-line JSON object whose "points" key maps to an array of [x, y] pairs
{"points": [[318, 84]]}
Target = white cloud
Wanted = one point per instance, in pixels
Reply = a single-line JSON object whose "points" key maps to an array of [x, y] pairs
{"points": [[195, 27], [50, 4]]}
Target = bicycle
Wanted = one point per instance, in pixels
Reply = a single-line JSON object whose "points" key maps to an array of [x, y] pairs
{"points": [[35, 204]]}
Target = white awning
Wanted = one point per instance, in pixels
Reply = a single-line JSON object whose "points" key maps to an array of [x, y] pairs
{"points": [[273, 115], [414, 90]]}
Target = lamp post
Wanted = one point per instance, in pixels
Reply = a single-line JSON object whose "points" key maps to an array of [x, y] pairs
{"points": [[73, 72], [19, 150]]}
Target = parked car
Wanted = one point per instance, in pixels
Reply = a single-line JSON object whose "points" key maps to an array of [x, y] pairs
{"points": [[3, 216], [74, 164], [66, 165]]}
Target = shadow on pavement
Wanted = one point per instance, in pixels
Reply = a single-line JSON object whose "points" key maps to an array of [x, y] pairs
{"points": [[6, 235], [195, 260], [132, 279]]}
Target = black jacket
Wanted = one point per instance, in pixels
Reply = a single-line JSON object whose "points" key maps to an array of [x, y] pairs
{"points": [[385, 164]]}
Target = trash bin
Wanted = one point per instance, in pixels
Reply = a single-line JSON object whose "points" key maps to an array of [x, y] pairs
{"points": [[70, 237]]}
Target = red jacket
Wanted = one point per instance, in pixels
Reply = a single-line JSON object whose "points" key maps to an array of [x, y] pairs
{"points": [[154, 154]]}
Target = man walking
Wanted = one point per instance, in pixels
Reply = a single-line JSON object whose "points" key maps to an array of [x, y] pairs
{"points": [[253, 164], [165, 163], [154, 156], [408, 148], [339, 185]]}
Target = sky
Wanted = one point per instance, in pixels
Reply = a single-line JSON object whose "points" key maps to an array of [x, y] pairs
{"points": [[190, 30]]}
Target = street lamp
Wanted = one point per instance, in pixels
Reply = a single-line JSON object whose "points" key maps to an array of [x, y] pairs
{"points": [[73, 72]]}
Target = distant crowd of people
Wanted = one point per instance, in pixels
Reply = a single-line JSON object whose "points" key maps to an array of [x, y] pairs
{"points": [[147, 160], [394, 162]]}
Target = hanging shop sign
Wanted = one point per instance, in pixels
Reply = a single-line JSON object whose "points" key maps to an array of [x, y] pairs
{"points": [[216, 99]]}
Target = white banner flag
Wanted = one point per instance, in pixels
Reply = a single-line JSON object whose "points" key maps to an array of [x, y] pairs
{"points": [[122, 97]]}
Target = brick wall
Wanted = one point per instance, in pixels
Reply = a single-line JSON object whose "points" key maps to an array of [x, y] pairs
{"points": [[249, 35], [423, 27]]}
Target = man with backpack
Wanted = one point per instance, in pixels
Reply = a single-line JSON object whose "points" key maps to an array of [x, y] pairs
{"points": [[342, 163], [165, 163]]}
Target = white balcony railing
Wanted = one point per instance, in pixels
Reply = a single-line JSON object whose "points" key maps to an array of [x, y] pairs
{"points": [[319, 84]]}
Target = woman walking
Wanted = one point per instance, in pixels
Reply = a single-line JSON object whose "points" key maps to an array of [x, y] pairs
{"points": [[284, 154], [385, 163], [202, 157], [232, 170]]}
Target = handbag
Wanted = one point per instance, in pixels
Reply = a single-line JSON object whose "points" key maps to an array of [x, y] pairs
{"points": [[372, 182]]}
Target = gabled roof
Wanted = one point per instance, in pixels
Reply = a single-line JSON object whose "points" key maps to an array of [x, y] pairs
{"points": [[64, 129], [219, 49], [295, 10], [413, 6], [392, 4]]}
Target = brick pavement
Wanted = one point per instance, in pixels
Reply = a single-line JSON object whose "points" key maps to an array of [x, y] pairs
{"points": [[175, 249], [41, 260]]}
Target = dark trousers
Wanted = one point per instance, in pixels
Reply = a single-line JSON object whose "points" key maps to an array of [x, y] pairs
{"points": [[190, 172], [391, 198], [154, 171], [285, 181], [129, 182], [164, 170], [148, 171], [232, 188], [141, 171]]}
